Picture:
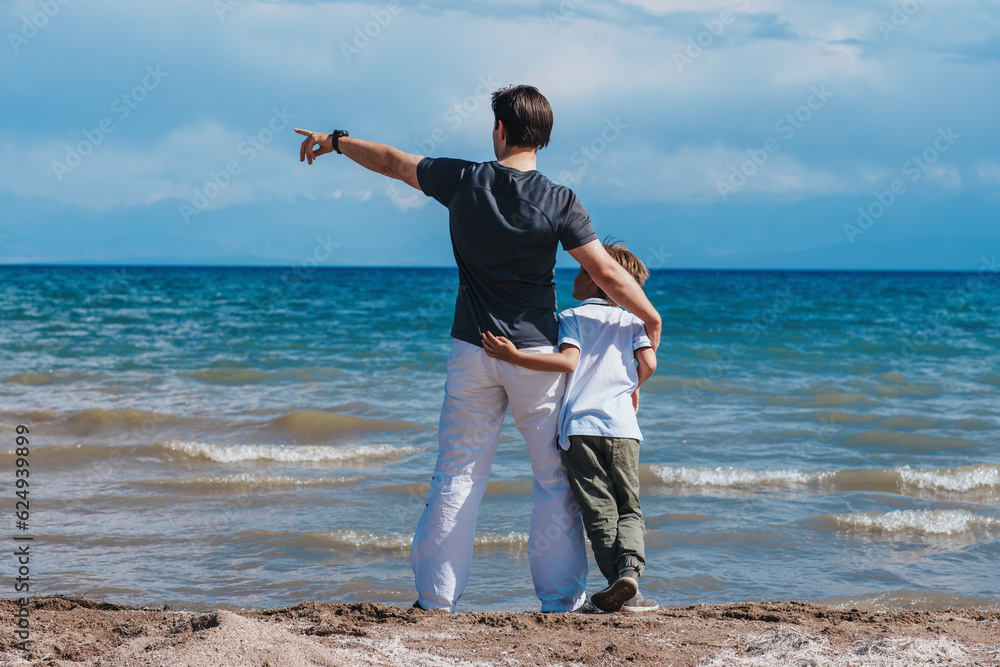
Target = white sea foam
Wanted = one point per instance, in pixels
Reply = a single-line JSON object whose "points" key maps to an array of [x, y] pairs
{"points": [[733, 477], [251, 479], [965, 478], [517, 540], [978, 480], [398, 542], [284, 453], [364, 540], [925, 522]]}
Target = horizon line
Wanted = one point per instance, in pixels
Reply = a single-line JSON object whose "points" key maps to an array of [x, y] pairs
{"points": [[4, 265]]}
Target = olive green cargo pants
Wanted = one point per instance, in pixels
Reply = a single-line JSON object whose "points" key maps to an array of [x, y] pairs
{"points": [[604, 475]]}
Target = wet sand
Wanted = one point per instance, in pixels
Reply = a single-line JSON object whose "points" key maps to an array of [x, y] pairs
{"points": [[70, 631]]}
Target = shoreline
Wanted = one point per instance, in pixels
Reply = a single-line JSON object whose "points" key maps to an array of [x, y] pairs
{"points": [[68, 631]]}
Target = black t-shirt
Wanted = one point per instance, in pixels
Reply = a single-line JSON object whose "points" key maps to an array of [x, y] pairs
{"points": [[505, 228]]}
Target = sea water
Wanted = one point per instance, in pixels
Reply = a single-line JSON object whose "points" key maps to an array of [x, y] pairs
{"points": [[245, 437]]}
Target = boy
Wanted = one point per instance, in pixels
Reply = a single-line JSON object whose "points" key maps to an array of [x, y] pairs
{"points": [[601, 345]]}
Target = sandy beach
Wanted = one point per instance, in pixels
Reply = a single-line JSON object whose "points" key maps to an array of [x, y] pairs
{"points": [[69, 631]]}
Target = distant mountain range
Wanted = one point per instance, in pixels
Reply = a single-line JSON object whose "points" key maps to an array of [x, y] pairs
{"points": [[937, 253]]}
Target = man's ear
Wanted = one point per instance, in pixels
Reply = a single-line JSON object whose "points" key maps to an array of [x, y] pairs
{"points": [[503, 130]]}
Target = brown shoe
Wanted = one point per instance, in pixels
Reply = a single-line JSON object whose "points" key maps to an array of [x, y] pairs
{"points": [[614, 597]]}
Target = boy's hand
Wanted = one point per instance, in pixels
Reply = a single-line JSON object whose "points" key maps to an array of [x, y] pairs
{"points": [[635, 400], [498, 347]]}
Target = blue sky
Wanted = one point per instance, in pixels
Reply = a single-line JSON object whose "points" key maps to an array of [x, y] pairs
{"points": [[735, 134]]}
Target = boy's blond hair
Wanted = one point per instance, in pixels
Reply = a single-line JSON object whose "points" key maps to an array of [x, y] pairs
{"points": [[627, 259]]}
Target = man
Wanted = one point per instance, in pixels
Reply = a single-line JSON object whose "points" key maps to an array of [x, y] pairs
{"points": [[506, 221]]}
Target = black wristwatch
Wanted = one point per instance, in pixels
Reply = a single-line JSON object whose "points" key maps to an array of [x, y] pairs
{"points": [[337, 134]]}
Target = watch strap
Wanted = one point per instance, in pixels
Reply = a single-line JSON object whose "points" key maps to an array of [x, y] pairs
{"points": [[337, 134]]}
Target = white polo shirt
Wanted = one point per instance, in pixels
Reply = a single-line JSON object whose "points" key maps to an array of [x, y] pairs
{"points": [[598, 399]]}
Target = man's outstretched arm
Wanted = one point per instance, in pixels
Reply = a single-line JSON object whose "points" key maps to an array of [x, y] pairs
{"points": [[619, 285], [380, 158]]}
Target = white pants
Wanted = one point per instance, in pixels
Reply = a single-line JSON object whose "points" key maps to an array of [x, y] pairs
{"points": [[477, 393]]}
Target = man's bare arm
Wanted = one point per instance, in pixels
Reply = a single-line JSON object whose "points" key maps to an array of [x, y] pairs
{"points": [[619, 285], [380, 158]]}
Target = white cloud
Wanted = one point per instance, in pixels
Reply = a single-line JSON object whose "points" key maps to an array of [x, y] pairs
{"points": [[664, 7], [398, 90], [206, 165], [988, 171], [946, 177], [358, 195], [404, 197], [694, 173]]}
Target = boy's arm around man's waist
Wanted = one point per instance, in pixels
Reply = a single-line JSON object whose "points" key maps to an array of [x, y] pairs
{"points": [[563, 361]]}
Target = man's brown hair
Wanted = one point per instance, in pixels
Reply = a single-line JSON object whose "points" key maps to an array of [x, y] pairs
{"points": [[526, 115], [628, 261]]}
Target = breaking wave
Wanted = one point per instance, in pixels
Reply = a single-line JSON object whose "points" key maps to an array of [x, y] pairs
{"points": [[284, 453], [68, 455], [245, 479], [975, 482], [732, 478], [920, 522], [365, 541]]}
